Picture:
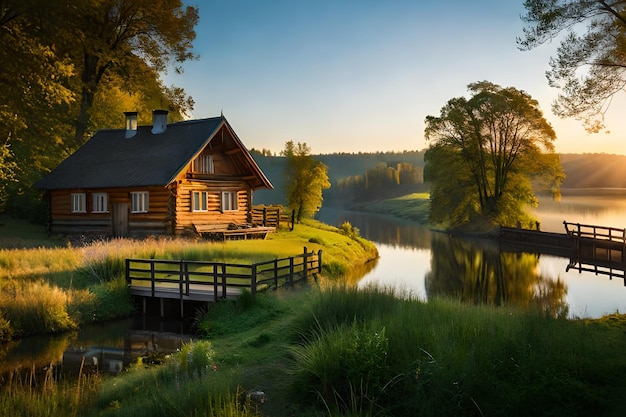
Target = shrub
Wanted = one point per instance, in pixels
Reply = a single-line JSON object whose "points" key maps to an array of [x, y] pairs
{"points": [[35, 307], [346, 366], [349, 230], [6, 331]]}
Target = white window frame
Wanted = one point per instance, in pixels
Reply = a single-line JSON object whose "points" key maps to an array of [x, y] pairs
{"points": [[139, 202], [199, 201], [100, 203], [230, 201], [79, 202], [203, 164]]}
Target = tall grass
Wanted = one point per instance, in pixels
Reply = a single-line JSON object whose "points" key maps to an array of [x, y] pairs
{"points": [[20, 398], [35, 307], [446, 359], [188, 384]]}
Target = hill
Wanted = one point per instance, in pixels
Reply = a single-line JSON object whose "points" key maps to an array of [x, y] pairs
{"points": [[596, 170], [340, 165], [581, 170]]}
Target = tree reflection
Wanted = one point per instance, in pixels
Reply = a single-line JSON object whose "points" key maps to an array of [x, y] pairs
{"points": [[478, 272], [379, 228]]}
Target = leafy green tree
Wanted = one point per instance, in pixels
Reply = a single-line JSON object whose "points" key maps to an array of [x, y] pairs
{"points": [[589, 68], [107, 37], [68, 69], [305, 178], [484, 152]]}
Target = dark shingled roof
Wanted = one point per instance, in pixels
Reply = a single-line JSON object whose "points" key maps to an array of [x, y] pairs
{"points": [[109, 159]]}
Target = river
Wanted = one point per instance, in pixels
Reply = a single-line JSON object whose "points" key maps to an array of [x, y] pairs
{"points": [[413, 260], [425, 264]]}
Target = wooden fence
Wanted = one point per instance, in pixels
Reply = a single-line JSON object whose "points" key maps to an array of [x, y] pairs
{"points": [[211, 281], [272, 216]]}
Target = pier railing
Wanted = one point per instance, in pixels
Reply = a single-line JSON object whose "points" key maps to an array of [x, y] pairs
{"points": [[211, 281], [589, 231]]}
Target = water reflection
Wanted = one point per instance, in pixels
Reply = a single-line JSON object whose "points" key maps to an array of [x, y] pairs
{"points": [[379, 228], [423, 264], [479, 273], [104, 348]]}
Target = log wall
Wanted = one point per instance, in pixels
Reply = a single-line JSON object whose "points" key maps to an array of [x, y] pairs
{"points": [[156, 221], [186, 218]]}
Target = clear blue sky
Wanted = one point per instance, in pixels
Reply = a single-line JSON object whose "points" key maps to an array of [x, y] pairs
{"points": [[350, 76]]}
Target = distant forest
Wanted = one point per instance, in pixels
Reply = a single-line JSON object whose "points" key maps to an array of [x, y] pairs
{"points": [[368, 176]]}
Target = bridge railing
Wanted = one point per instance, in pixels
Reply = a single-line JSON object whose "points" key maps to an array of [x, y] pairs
{"points": [[214, 280], [612, 234]]}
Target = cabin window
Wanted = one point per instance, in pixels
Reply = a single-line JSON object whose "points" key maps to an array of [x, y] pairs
{"points": [[203, 164], [139, 202], [99, 203], [229, 201], [199, 200], [79, 203]]}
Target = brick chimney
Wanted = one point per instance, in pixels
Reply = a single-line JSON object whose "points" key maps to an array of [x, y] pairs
{"points": [[131, 123], [159, 121]]}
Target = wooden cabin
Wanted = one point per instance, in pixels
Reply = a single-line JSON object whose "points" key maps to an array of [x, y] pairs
{"points": [[164, 179]]}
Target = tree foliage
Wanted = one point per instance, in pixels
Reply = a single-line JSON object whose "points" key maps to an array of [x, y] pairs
{"points": [[589, 68], [305, 179], [68, 69], [484, 153], [381, 181]]}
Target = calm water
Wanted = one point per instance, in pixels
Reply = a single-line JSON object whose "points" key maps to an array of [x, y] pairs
{"points": [[413, 260], [428, 264]]}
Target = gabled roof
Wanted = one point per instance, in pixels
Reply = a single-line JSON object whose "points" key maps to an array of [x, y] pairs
{"points": [[109, 159]]}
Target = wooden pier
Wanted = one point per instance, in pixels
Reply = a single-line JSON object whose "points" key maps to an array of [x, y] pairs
{"points": [[590, 248], [549, 243], [599, 249], [205, 281]]}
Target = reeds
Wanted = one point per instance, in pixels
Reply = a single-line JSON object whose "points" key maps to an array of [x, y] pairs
{"points": [[444, 358]]}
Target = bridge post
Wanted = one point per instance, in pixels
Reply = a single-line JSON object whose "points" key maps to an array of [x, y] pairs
{"points": [[319, 261], [253, 281], [305, 264], [215, 282]]}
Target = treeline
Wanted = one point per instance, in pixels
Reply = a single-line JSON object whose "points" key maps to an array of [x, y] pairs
{"points": [[348, 172], [382, 181], [403, 169], [594, 170]]}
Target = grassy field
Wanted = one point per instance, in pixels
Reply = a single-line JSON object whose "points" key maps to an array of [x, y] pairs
{"points": [[340, 351], [50, 284], [414, 207], [333, 350]]}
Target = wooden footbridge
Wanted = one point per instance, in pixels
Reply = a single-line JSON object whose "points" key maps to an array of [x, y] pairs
{"points": [[598, 249], [207, 281], [590, 248]]}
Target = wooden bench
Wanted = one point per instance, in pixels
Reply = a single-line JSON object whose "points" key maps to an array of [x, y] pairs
{"points": [[223, 231]]}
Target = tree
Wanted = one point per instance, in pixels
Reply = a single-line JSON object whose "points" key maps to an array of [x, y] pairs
{"points": [[305, 180], [485, 151], [589, 68], [68, 69], [107, 38]]}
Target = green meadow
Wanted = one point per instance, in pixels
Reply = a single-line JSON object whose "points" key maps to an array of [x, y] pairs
{"points": [[329, 350]]}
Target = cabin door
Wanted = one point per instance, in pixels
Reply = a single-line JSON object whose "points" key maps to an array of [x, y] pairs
{"points": [[120, 219]]}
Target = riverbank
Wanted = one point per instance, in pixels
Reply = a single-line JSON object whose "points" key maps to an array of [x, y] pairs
{"points": [[345, 352], [414, 207], [59, 285]]}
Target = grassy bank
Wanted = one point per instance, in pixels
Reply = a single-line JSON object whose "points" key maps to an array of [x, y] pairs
{"points": [[414, 207], [59, 285], [345, 352]]}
